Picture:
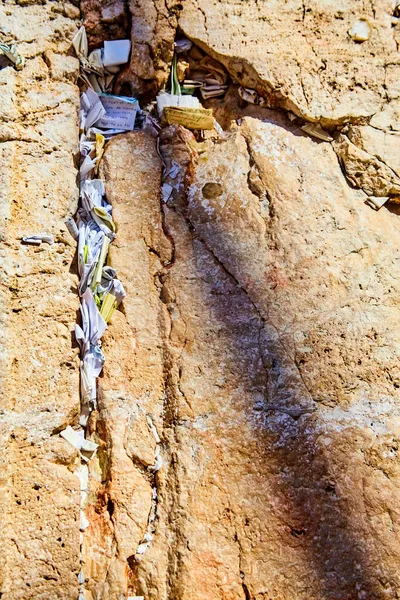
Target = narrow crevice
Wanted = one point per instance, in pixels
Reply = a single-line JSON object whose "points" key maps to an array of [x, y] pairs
{"points": [[246, 592]]}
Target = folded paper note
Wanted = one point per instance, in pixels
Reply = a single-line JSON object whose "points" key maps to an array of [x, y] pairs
{"points": [[92, 107], [164, 100], [315, 130], [120, 113], [116, 52], [36, 240], [72, 227], [376, 202], [12, 55], [183, 45], [77, 439], [80, 43], [192, 118]]}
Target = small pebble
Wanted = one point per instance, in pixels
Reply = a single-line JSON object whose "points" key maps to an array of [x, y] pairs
{"points": [[361, 31]]}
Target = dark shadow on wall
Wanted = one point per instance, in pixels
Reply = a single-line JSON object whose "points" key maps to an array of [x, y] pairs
{"points": [[318, 523]]}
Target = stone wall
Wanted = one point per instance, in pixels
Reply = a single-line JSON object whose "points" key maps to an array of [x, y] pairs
{"points": [[39, 387], [248, 414]]}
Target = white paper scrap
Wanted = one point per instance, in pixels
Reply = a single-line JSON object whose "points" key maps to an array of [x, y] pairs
{"points": [[166, 191], [158, 461], [153, 429], [183, 45], [120, 113], [141, 549], [80, 43], [361, 30], [77, 439], [37, 239], [72, 227], [84, 523], [95, 62], [82, 473], [87, 167], [376, 202], [93, 324], [315, 130], [89, 446], [107, 133], [116, 52], [84, 496], [84, 416], [164, 100], [72, 437], [90, 103]]}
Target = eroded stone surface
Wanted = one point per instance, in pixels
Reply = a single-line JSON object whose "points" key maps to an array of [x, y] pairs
{"points": [[131, 392], [153, 26], [282, 424], [299, 54], [39, 365], [370, 158], [280, 366], [105, 20]]}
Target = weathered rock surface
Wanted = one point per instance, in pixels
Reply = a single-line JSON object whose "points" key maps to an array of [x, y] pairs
{"points": [[153, 34], [371, 170], [131, 392], [277, 356], [106, 20], [283, 427], [299, 54], [39, 387], [248, 415]]}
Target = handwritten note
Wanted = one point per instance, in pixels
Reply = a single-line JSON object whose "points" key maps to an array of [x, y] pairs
{"points": [[192, 118], [120, 113]]}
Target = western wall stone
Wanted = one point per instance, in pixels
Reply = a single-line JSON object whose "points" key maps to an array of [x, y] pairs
{"points": [[39, 364], [255, 357], [299, 56]]}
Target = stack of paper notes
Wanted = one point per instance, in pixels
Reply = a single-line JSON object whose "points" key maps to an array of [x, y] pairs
{"points": [[98, 69]]}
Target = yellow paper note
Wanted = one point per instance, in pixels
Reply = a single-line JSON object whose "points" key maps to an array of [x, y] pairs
{"points": [[100, 141], [192, 118], [102, 259], [108, 307], [101, 214]]}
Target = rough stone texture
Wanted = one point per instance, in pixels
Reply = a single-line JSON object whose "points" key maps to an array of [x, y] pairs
{"points": [[260, 334], [153, 35], [282, 480], [370, 157], [105, 20], [132, 388], [274, 341], [299, 56], [39, 495], [298, 53], [367, 156]]}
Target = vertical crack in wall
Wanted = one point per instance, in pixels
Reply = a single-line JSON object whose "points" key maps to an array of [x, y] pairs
{"points": [[100, 294]]}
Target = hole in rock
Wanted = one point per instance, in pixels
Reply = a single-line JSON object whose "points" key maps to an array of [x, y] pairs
{"points": [[212, 190], [110, 507], [297, 532]]}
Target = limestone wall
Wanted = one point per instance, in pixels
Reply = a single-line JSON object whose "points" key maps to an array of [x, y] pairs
{"points": [[39, 362], [248, 413]]}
